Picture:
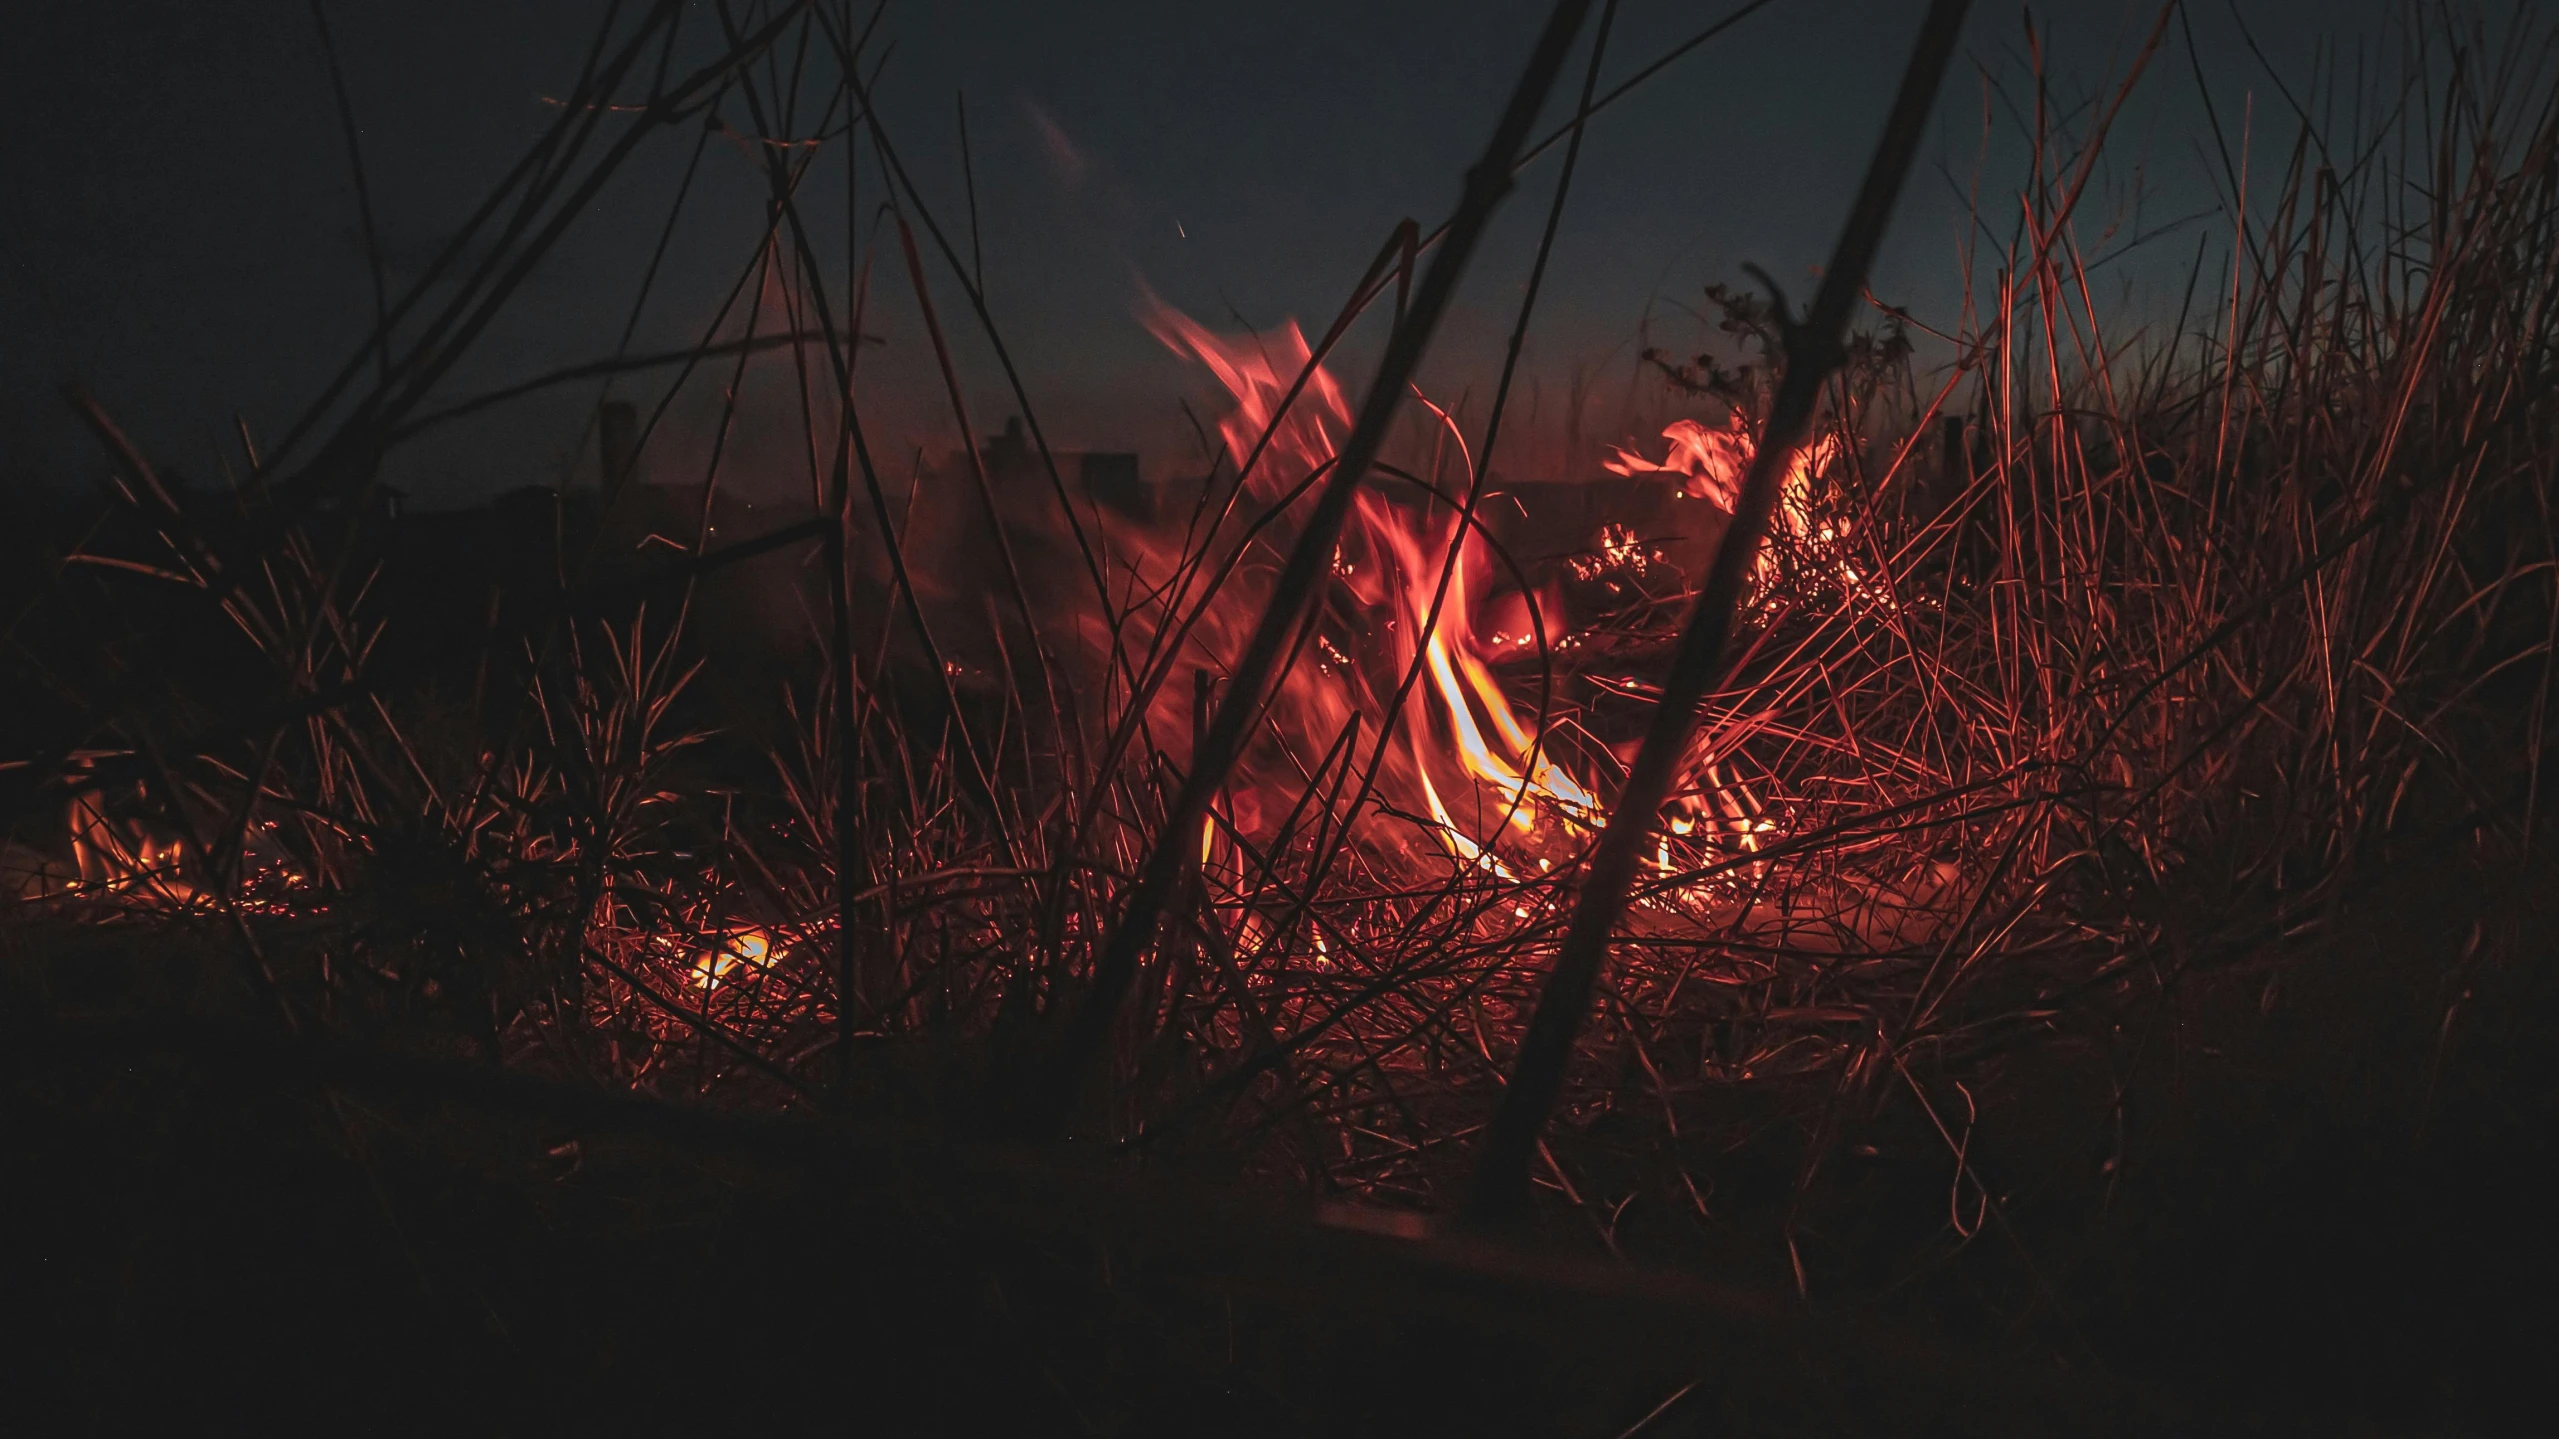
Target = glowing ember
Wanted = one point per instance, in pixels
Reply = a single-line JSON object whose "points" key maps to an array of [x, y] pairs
{"points": [[749, 948], [121, 858]]}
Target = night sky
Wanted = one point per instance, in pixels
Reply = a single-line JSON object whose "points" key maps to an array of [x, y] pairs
{"points": [[178, 230]]}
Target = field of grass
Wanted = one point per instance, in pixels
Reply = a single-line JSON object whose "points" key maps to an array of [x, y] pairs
{"points": [[2090, 966]]}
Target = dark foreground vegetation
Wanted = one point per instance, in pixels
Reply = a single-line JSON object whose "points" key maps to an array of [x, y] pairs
{"points": [[508, 972], [2320, 1223]]}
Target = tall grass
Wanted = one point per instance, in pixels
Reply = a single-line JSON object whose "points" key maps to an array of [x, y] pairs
{"points": [[2094, 660]]}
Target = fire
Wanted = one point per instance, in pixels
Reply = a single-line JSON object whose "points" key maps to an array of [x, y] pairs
{"points": [[1530, 789], [1711, 462], [117, 857], [1471, 769], [1481, 778], [749, 948]]}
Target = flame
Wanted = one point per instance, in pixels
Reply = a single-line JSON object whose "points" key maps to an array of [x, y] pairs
{"points": [[1467, 750], [121, 858], [1711, 463], [1258, 374], [749, 947]]}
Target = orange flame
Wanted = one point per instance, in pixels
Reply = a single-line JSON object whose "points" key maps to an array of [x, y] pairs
{"points": [[1467, 752], [748, 948], [1468, 749], [120, 858], [1711, 463]]}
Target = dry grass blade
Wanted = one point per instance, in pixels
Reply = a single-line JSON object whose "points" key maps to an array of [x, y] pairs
{"points": [[1115, 967], [1813, 350]]}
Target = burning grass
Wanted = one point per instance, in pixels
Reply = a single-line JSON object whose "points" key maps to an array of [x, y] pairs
{"points": [[2081, 671]]}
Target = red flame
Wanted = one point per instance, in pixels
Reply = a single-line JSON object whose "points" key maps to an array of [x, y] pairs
{"points": [[1470, 763], [1471, 767]]}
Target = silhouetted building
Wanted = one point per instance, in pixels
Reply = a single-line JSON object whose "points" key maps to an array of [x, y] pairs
{"points": [[1109, 478]]}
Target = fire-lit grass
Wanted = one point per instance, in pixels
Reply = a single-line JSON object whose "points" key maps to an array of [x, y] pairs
{"points": [[2080, 665]]}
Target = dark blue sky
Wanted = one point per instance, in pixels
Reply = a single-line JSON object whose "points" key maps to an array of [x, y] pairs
{"points": [[178, 232]]}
